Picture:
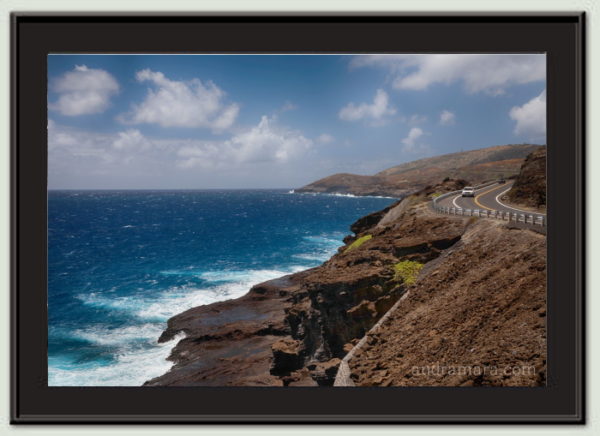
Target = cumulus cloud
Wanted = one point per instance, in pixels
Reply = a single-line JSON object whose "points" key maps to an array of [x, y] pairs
{"points": [[65, 143], [412, 143], [531, 118], [83, 158], [265, 142], [74, 150], [325, 138], [447, 118], [414, 134], [131, 139], [489, 73], [375, 112], [172, 103], [83, 91]]}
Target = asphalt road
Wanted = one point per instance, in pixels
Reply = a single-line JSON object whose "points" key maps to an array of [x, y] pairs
{"points": [[488, 198]]}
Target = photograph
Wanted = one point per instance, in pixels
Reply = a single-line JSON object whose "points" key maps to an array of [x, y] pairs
{"points": [[297, 220]]}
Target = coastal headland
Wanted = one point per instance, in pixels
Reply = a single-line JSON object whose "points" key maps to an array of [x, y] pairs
{"points": [[467, 293]]}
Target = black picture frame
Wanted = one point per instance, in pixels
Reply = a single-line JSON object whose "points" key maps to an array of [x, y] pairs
{"points": [[560, 35]]}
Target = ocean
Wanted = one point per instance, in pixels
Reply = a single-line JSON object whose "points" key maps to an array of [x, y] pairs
{"points": [[121, 263]]}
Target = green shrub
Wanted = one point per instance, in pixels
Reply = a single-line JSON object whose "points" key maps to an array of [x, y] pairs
{"points": [[358, 242], [436, 194], [407, 271]]}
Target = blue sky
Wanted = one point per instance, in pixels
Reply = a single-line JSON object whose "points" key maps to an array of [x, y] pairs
{"points": [[280, 121]]}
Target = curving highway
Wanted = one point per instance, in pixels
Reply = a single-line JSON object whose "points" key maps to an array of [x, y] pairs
{"points": [[488, 198]]}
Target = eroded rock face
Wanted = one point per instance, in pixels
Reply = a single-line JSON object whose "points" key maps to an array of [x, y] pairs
{"points": [[293, 330], [228, 343], [287, 356], [348, 294], [365, 223], [529, 189]]}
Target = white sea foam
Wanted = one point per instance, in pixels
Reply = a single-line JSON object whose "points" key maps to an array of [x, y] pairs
{"points": [[317, 256], [324, 248], [165, 304], [321, 240], [236, 284], [246, 276], [132, 367], [140, 357], [346, 195], [100, 335]]}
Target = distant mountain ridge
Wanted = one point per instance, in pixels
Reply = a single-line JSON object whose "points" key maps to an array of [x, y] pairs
{"points": [[476, 166]]}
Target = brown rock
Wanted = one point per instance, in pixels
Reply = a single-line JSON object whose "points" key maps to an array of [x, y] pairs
{"points": [[324, 372], [293, 331], [286, 356]]}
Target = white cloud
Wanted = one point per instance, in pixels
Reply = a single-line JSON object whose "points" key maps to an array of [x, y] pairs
{"points": [[131, 139], [265, 142], [531, 118], [82, 158], [447, 118], [64, 143], [266, 151], [325, 138], [226, 118], [375, 111], [73, 146], [171, 103], [414, 134], [83, 91], [490, 73], [412, 143]]}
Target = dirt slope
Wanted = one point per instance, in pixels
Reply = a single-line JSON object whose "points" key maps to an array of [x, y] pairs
{"points": [[476, 316], [473, 165]]}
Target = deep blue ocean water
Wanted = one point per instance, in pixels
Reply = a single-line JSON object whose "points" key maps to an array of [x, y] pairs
{"points": [[122, 262]]}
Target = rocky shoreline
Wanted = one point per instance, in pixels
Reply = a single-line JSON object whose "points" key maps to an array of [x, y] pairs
{"points": [[294, 331]]}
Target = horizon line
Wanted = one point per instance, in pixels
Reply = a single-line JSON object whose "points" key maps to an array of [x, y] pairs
{"points": [[170, 189]]}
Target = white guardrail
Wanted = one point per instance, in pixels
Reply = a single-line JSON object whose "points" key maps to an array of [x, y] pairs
{"points": [[530, 219]]}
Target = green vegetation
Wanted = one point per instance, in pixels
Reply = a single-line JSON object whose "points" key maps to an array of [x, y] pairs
{"points": [[407, 271], [436, 194], [358, 242]]}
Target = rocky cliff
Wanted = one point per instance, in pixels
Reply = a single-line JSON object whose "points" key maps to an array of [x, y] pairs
{"points": [[474, 165], [293, 331], [529, 189]]}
